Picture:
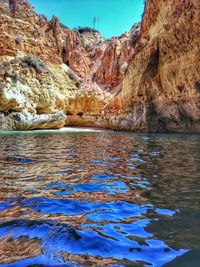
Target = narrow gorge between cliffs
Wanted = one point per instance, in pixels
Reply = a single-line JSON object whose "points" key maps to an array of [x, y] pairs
{"points": [[100, 139], [146, 80]]}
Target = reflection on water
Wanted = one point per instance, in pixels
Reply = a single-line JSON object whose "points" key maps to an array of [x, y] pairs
{"points": [[99, 199]]}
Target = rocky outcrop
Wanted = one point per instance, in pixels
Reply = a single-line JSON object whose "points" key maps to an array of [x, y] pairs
{"points": [[145, 80], [75, 56], [161, 91], [36, 88], [84, 110], [47, 71], [32, 97], [115, 60], [28, 121], [33, 86]]}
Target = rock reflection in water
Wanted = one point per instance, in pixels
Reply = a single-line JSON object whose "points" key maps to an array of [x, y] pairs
{"points": [[98, 199]]}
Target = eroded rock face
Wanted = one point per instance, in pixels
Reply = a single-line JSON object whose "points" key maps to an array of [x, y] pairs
{"points": [[145, 80], [37, 88], [71, 84], [115, 60], [74, 54], [28, 33], [28, 121], [161, 89], [84, 110], [30, 99]]}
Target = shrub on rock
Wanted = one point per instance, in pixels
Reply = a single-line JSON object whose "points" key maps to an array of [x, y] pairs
{"points": [[34, 62]]}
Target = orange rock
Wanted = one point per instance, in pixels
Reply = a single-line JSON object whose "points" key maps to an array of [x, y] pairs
{"points": [[161, 90], [117, 55], [74, 55], [144, 80]]}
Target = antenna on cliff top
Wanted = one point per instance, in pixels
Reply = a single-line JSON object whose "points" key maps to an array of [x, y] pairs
{"points": [[98, 23], [94, 21]]}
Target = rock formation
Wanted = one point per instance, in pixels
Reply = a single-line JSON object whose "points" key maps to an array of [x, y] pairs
{"points": [[147, 79], [13, 6], [47, 71], [116, 57], [161, 90]]}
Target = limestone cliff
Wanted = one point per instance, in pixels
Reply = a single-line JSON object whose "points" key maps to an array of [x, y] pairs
{"points": [[35, 88], [47, 71], [147, 79], [115, 60], [161, 90]]}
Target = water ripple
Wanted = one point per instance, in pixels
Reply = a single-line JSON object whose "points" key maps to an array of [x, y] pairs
{"points": [[99, 199]]}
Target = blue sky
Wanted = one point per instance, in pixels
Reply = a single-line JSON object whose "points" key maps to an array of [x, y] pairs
{"points": [[115, 16]]}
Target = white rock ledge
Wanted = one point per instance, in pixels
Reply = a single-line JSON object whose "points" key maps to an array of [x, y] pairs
{"points": [[28, 121]]}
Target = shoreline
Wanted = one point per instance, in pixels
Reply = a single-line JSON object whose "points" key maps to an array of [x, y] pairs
{"points": [[77, 130], [61, 130]]}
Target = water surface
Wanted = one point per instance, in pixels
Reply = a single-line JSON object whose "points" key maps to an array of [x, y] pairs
{"points": [[99, 199]]}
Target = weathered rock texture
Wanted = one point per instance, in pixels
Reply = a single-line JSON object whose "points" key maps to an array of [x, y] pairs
{"points": [[161, 90], [145, 80], [34, 90], [116, 57], [48, 72]]}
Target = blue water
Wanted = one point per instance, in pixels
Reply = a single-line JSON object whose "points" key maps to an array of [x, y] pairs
{"points": [[99, 199]]}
